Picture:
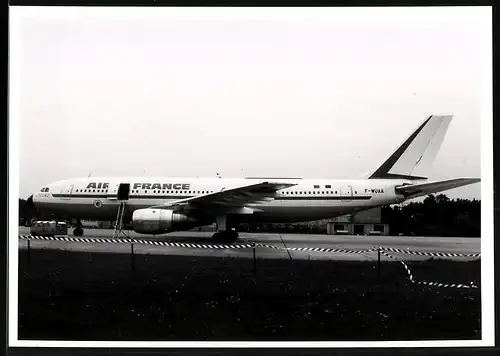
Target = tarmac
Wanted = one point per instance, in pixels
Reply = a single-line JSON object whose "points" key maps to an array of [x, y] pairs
{"points": [[281, 241]]}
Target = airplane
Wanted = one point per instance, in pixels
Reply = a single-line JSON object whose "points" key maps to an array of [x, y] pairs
{"points": [[159, 205]]}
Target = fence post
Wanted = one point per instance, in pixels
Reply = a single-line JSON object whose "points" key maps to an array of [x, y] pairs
{"points": [[378, 265], [29, 252], [132, 256], [254, 261]]}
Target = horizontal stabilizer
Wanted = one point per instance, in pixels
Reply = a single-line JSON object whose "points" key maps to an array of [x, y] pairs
{"points": [[418, 190]]}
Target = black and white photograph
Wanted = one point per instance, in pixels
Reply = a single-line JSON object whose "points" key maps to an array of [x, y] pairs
{"points": [[250, 177]]}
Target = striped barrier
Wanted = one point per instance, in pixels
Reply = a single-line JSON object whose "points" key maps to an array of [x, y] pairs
{"points": [[432, 284], [314, 249], [136, 241], [430, 254], [240, 246]]}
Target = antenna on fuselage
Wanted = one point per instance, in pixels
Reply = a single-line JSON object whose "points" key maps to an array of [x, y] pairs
{"points": [[90, 174]]}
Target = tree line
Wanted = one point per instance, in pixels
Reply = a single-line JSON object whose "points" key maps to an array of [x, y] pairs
{"points": [[26, 212], [435, 216]]}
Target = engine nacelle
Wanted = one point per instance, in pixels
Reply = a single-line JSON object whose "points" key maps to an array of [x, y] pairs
{"points": [[159, 221]]}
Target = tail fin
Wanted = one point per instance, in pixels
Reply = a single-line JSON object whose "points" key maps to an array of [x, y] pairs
{"points": [[415, 155]]}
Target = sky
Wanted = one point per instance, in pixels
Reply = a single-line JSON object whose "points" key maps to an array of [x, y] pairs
{"points": [[325, 93]]}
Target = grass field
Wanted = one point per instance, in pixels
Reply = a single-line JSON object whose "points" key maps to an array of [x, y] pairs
{"points": [[98, 296]]}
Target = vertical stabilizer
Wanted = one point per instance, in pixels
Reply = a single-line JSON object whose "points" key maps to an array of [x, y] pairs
{"points": [[415, 155]]}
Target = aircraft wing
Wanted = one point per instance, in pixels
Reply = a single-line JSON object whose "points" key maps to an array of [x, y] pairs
{"points": [[229, 199], [417, 190]]}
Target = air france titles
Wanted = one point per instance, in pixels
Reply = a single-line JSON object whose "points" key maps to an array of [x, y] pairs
{"points": [[95, 185], [164, 186]]}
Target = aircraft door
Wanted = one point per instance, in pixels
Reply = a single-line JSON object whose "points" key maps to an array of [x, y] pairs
{"points": [[346, 193], [123, 191], [66, 192]]}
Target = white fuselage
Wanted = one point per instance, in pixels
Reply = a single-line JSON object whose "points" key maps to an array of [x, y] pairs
{"points": [[310, 199]]}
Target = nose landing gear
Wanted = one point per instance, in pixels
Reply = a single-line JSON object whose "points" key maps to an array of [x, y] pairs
{"points": [[78, 231]]}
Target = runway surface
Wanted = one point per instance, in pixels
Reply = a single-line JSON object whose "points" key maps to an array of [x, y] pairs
{"points": [[345, 242]]}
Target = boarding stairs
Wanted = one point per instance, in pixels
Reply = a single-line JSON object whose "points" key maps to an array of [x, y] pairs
{"points": [[119, 221]]}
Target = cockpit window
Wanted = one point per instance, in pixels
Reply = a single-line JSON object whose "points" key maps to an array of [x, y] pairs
{"points": [[45, 190]]}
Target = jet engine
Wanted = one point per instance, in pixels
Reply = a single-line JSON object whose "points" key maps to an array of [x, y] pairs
{"points": [[159, 221]]}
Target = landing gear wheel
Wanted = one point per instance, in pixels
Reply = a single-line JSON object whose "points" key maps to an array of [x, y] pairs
{"points": [[216, 236], [229, 236], [78, 231]]}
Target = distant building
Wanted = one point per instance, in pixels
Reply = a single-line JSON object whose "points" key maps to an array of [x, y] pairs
{"points": [[90, 223], [105, 224], [367, 222]]}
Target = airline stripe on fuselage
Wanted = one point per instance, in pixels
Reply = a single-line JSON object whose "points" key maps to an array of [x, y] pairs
{"points": [[104, 196], [348, 197]]}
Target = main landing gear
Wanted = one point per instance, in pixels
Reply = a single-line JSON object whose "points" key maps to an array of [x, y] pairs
{"points": [[78, 230], [224, 232]]}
